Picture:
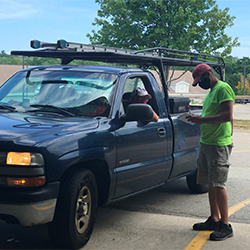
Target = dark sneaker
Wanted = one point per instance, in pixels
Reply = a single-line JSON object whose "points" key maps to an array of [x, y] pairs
{"points": [[223, 232], [208, 225]]}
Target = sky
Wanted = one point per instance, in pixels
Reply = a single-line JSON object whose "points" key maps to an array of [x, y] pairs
{"points": [[50, 20]]}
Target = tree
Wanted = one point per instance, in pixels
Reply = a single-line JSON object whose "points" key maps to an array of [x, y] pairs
{"points": [[234, 70], [8, 59], [193, 25], [248, 77], [240, 86]]}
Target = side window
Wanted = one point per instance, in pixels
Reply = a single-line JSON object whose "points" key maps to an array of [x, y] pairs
{"points": [[133, 83]]}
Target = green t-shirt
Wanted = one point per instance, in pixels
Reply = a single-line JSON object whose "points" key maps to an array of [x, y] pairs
{"points": [[217, 134]]}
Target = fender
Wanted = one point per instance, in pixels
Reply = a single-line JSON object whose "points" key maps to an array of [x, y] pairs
{"points": [[80, 156], [83, 156]]}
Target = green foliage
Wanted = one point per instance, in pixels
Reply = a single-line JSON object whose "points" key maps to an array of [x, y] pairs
{"points": [[8, 59], [42, 61], [235, 69], [177, 24]]}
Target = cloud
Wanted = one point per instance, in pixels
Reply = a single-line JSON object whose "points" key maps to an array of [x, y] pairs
{"points": [[13, 9]]}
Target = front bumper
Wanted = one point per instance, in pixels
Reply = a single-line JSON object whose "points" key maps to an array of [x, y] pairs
{"points": [[29, 206], [31, 214]]}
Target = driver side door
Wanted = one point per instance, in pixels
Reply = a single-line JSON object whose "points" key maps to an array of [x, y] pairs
{"points": [[141, 147]]}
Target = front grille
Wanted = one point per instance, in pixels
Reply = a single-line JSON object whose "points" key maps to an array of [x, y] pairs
{"points": [[3, 156]]}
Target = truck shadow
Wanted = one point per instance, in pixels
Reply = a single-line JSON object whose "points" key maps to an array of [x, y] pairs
{"points": [[15, 236], [152, 201], [18, 237]]}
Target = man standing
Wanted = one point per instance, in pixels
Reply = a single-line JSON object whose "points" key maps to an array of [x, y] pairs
{"points": [[216, 145]]}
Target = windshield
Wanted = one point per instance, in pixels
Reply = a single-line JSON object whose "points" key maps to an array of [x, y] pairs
{"points": [[80, 93]]}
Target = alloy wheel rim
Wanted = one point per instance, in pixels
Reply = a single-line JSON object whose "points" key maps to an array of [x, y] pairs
{"points": [[83, 210]]}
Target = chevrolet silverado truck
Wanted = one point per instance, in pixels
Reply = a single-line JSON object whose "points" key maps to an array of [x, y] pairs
{"points": [[67, 144]]}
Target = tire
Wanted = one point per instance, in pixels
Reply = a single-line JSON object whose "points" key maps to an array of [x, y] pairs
{"points": [[193, 186], [75, 213]]}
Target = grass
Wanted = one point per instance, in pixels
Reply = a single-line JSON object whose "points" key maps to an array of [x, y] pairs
{"points": [[242, 124]]}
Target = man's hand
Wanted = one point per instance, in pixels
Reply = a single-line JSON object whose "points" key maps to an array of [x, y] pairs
{"points": [[196, 119], [225, 115]]}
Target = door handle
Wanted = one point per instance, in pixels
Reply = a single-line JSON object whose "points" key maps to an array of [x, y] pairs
{"points": [[161, 132]]}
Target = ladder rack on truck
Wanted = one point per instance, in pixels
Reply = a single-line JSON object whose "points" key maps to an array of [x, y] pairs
{"points": [[157, 56], [69, 51]]}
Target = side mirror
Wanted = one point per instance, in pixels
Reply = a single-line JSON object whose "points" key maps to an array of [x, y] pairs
{"points": [[138, 112]]}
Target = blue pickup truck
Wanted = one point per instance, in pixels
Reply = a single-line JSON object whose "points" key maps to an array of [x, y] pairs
{"points": [[67, 144]]}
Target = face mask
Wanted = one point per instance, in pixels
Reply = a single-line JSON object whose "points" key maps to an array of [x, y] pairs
{"points": [[205, 83]]}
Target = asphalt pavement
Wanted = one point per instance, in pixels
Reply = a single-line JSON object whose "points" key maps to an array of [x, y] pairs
{"points": [[241, 111], [126, 230]]}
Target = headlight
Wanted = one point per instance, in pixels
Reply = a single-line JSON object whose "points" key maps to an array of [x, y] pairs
{"points": [[22, 169], [24, 159]]}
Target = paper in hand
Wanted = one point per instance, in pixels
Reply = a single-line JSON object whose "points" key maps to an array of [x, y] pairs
{"points": [[184, 118]]}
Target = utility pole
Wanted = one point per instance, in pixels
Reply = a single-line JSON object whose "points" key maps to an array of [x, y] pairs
{"points": [[244, 76]]}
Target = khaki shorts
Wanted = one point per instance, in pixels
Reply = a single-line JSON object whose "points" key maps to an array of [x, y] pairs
{"points": [[213, 165]]}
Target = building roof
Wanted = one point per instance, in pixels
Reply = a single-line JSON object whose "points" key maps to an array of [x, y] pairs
{"points": [[179, 76], [6, 71]]}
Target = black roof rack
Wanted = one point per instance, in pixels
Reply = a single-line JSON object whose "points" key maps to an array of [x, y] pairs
{"points": [[69, 51]]}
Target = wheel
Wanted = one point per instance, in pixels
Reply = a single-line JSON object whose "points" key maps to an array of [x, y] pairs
{"points": [[75, 213], [193, 186]]}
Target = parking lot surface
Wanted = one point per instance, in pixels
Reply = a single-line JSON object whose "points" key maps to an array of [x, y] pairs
{"points": [[117, 229], [241, 111]]}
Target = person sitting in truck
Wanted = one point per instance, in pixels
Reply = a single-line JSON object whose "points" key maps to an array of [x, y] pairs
{"points": [[140, 95]]}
